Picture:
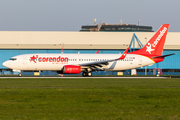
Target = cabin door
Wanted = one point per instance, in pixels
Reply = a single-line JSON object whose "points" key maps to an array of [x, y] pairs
{"points": [[139, 60]]}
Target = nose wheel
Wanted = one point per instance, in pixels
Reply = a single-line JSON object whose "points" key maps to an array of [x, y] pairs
{"points": [[19, 74], [87, 74]]}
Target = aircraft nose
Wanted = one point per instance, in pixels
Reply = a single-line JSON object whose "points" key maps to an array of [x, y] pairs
{"points": [[6, 63]]}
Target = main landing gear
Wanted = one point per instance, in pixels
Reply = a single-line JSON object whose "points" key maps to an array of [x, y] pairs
{"points": [[87, 74]]}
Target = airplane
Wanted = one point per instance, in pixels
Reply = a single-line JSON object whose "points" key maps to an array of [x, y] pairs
{"points": [[150, 54]]}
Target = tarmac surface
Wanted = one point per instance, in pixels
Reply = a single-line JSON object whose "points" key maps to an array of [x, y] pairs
{"points": [[90, 77]]}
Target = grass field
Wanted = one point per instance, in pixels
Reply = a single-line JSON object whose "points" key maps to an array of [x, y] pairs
{"points": [[90, 99]]}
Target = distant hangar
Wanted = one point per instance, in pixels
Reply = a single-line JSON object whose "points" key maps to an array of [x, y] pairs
{"points": [[78, 40]]}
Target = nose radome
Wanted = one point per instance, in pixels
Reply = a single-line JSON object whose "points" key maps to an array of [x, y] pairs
{"points": [[5, 64]]}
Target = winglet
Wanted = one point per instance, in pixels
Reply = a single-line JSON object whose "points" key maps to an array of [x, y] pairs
{"points": [[97, 52], [124, 54]]}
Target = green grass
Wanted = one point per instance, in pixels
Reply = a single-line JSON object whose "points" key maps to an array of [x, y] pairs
{"points": [[90, 99]]}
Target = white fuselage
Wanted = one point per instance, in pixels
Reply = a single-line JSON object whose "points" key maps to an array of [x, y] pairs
{"points": [[55, 62]]}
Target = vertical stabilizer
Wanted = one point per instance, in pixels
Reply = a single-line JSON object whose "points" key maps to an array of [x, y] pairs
{"points": [[155, 45]]}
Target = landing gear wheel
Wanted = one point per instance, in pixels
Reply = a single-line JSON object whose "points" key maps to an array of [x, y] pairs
{"points": [[89, 74], [84, 74], [19, 74]]}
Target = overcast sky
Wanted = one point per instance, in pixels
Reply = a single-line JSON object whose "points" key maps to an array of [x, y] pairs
{"points": [[70, 15]]}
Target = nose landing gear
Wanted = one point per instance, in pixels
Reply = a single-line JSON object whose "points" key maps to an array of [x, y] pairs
{"points": [[19, 74]]}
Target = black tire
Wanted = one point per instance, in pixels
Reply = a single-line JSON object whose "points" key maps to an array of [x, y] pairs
{"points": [[19, 74], [89, 74], [84, 74]]}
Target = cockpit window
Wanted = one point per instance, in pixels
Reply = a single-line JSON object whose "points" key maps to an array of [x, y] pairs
{"points": [[13, 59]]}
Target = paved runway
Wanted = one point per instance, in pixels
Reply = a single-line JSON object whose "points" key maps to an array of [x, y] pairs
{"points": [[90, 77]]}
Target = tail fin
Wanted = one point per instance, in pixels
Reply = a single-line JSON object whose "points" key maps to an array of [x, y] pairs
{"points": [[155, 45]]}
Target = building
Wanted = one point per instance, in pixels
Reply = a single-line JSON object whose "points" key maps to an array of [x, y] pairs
{"points": [[104, 27], [23, 42]]}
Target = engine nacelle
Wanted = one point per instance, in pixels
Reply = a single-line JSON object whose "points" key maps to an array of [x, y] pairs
{"points": [[71, 69]]}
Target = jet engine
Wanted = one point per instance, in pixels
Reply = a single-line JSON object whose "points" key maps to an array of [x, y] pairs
{"points": [[71, 69]]}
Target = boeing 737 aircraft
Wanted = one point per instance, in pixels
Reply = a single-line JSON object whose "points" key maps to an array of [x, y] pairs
{"points": [[150, 54]]}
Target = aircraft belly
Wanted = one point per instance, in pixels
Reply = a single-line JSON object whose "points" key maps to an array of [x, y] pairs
{"points": [[140, 61], [124, 65]]}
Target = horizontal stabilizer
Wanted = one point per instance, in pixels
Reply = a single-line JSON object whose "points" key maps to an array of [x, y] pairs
{"points": [[164, 55]]}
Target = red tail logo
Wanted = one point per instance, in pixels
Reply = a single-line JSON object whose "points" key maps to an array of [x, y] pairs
{"points": [[156, 44], [149, 49]]}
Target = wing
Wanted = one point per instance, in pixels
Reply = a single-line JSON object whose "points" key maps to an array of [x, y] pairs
{"points": [[97, 66]]}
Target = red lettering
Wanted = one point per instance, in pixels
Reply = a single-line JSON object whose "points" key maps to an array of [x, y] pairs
{"points": [[39, 59], [58, 59], [44, 59], [54, 59], [62, 59], [66, 59], [49, 59]]}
